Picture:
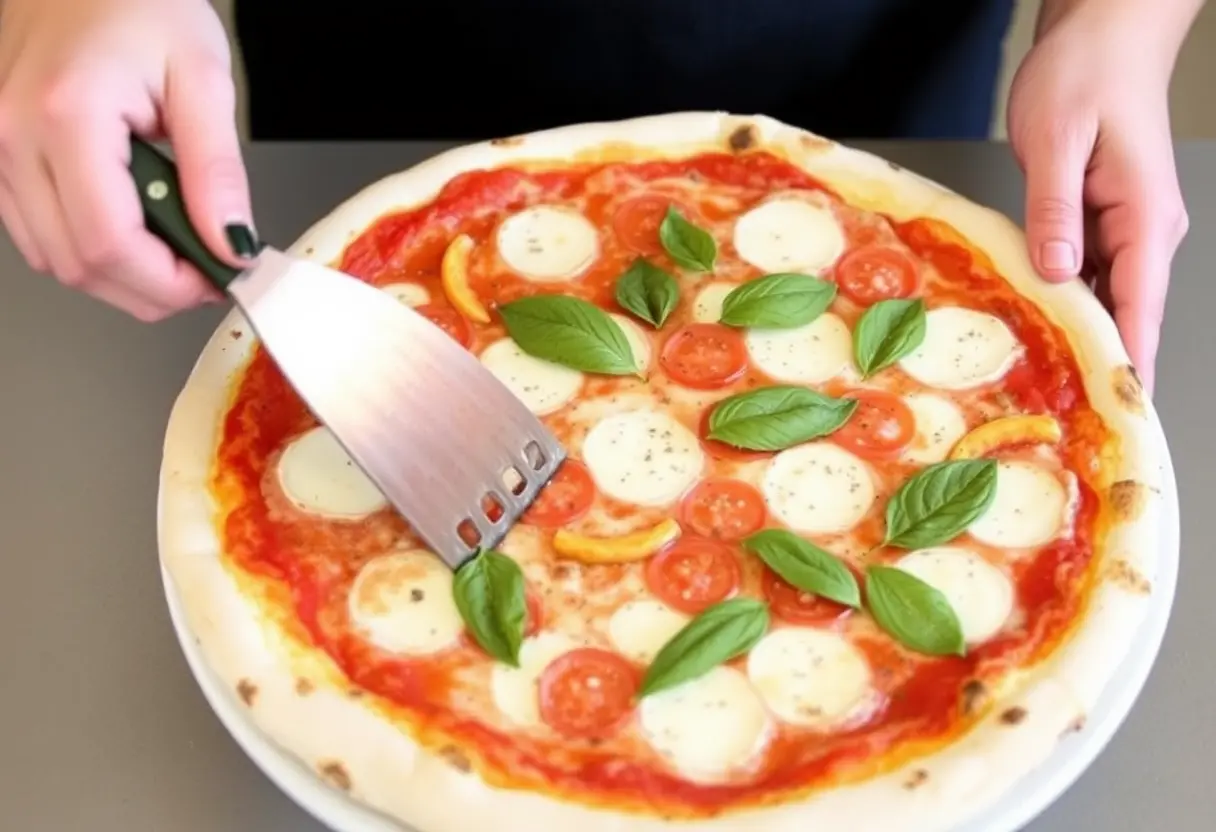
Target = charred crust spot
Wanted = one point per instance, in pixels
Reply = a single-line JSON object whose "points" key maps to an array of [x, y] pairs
{"points": [[742, 138], [335, 773], [975, 697], [1127, 498], [1128, 389], [310, 251], [1075, 727], [814, 143], [893, 166], [508, 141], [1013, 716], [303, 686], [248, 692], [916, 779], [456, 758], [1123, 575], [235, 334]]}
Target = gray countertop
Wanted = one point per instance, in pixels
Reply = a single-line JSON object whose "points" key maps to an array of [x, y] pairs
{"points": [[101, 725]]}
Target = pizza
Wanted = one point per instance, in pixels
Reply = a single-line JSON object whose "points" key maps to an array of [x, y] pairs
{"points": [[859, 516]]}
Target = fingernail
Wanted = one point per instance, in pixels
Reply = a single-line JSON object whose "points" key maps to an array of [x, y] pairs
{"points": [[240, 237], [1058, 256]]}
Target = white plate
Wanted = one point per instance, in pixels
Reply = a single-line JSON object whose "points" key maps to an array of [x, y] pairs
{"points": [[1018, 807]]}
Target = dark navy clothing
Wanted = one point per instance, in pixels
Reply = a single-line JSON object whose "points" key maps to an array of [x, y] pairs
{"points": [[472, 69]]}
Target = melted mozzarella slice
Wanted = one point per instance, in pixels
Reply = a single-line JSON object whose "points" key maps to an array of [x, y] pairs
{"points": [[808, 354], [409, 294], [541, 385], [939, 425], [319, 477], [709, 727], [548, 243], [1029, 508], [963, 348], [514, 689], [811, 677], [639, 341], [707, 308], [981, 594], [639, 629], [644, 457], [403, 603], [818, 488], [789, 235]]}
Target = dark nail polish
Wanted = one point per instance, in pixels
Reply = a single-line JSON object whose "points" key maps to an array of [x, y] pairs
{"points": [[241, 238]]}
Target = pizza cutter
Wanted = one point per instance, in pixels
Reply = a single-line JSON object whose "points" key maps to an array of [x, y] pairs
{"points": [[454, 451]]}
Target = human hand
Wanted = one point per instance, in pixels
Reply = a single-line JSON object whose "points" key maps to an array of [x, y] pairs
{"points": [[77, 77], [1089, 123]]}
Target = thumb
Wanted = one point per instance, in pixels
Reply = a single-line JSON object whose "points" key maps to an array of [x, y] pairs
{"points": [[200, 120], [1055, 179]]}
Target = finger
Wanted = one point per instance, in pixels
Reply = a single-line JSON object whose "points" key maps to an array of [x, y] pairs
{"points": [[10, 215], [200, 120], [1055, 177], [1139, 279], [44, 218]]}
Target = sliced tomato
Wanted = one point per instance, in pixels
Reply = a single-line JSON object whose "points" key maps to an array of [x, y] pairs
{"points": [[792, 604], [723, 508], [587, 693], [872, 273], [704, 356], [880, 427], [693, 573], [449, 320], [566, 497], [636, 222], [720, 450]]}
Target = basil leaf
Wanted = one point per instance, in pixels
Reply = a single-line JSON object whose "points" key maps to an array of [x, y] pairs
{"points": [[778, 301], [939, 502], [913, 613], [889, 330], [691, 247], [569, 331], [805, 566], [648, 292], [778, 417], [489, 594], [719, 634]]}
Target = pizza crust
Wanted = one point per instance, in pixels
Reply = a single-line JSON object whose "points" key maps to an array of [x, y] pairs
{"points": [[300, 703]]}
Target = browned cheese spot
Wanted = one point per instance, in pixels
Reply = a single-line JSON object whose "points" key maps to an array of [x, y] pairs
{"points": [[1128, 389], [456, 758], [303, 686], [509, 141], [1128, 498], [336, 774], [742, 138], [1013, 716], [916, 779], [248, 692], [975, 697], [1123, 575]]}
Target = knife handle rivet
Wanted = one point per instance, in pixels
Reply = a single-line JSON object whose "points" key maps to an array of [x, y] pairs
{"points": [[158, 189]]}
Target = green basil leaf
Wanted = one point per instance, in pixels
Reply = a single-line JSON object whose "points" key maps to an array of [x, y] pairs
{"points": [[719, 634], [889, 330], [691, 247], [569, 331], [489, 594], [778, 301], [805, 566], [913, 613], [648, 292], [939, 502], [776, 418]]}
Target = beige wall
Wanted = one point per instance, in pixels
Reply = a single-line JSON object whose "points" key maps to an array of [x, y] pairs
{"points": [[1192, 98]]}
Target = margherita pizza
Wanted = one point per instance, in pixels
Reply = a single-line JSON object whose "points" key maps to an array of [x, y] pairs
{"points": [[858, 520]]}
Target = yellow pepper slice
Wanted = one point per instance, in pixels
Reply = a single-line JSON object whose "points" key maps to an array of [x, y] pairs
{"points": [[624, 549], [1009, 430], [455, 277]]}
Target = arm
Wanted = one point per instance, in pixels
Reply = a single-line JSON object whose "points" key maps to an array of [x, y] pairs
{"points": [[1162, 23]]}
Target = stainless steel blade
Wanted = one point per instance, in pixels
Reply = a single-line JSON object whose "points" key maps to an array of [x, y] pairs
{"points": [[438, 434]]}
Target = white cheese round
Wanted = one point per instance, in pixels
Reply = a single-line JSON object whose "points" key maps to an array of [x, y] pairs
{"points": [[1029, 508], [403, 603], [644, 457], [639, 341], [409, 294], [811, 677], [939, 425], [542, 386], [808, 354], [789, 235], [515, 689], [319, 477], [962, 349], [980, 593], [707, 307], [818, 488], [639, 629], [548, 243], [707, 728]]}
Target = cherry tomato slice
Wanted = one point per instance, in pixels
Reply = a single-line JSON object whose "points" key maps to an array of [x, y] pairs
{"points": [[872, 273], [720, 450], [694, 573], [797, 607], [704, 356], [566, 497], [723, 508], [637, 222], [880, 427], [587, 692], [449, 320]]}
